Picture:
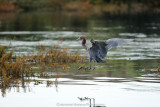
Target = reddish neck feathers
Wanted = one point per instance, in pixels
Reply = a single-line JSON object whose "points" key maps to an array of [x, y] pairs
{"points": [[83, 41], [84, 44]]}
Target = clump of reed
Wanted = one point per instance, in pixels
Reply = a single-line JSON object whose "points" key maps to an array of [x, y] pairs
{"points": [[10, 69], [13, 69], [55, 55], [12, 66]]}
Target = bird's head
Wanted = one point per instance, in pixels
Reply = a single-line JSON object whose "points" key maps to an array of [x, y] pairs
{"points": [[81, 38]]}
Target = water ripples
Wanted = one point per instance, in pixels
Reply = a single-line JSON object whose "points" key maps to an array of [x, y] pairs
{"points": [[142, 47]]}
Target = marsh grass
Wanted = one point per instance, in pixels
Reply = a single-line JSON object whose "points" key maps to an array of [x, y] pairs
{"points": [[54, 55], [14, 69]]}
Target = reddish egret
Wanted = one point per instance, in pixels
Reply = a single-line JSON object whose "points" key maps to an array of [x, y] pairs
{"points": [[99, 49]]}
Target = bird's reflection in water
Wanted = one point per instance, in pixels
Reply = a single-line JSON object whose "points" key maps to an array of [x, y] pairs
{"points": [[91, 102]]}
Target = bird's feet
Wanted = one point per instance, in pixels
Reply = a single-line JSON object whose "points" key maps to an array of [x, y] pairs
{"points": [[80, 68], [84, 68], [87, 68]]}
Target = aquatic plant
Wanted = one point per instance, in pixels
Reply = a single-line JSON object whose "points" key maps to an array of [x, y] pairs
{"points": [[14, 69], [10, 68], [55, 55], [158, 69]]}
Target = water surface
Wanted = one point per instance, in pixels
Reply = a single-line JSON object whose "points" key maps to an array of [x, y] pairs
{"points": [[129, 77]]}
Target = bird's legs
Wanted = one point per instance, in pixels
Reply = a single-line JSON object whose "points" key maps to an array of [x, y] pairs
{"points": [[93, 65], [89, 68], [86, 68]]}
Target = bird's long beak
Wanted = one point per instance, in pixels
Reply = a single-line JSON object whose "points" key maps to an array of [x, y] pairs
{"points": [[78, 38]]}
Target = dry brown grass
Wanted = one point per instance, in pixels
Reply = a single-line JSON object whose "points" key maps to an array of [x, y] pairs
{"points": [[77, 6], [55, 55], [14, 69], [124, 8], [7, 7]]}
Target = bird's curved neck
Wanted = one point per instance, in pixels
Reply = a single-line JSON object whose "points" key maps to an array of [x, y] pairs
{"points": [[84, 44]]}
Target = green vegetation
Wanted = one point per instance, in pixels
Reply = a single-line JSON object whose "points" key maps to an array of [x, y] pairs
{"points": [[93, 6]]}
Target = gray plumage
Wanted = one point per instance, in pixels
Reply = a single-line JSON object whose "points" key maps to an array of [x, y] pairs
{"points": [[99, 49]]}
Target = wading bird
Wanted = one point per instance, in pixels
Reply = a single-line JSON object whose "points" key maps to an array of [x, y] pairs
{"points": [[99, 49]]}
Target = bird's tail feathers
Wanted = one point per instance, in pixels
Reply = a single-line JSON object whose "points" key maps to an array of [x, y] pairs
{"points": [[99, 60]]}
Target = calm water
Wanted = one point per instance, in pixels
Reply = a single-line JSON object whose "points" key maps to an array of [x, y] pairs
{"points": [[126, 80]]}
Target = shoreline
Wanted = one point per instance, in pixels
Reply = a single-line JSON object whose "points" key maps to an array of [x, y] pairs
{"points": [[87, 8]]}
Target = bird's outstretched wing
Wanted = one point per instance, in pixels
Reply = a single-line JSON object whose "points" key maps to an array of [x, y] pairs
{"points": [[112, 43], [101, 48]]}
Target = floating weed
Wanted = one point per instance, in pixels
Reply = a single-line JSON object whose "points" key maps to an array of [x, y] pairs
{"points": [[65, 67], [158, 69], [144, 69], [37, 82], [49, 83]]}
